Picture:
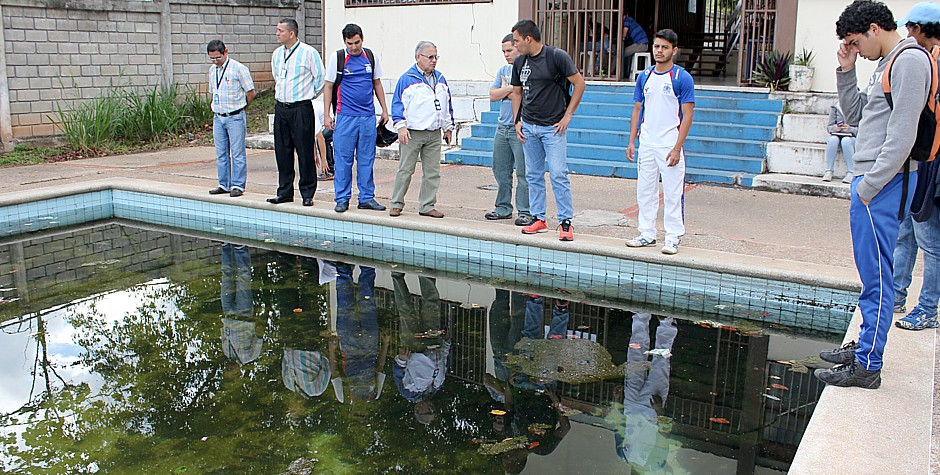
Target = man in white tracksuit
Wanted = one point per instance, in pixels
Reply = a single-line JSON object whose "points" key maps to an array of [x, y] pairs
{"points": [[664, 101]]}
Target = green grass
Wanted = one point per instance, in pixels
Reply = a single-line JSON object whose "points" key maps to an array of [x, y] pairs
{"points": [[258, 112], [27, 154]]}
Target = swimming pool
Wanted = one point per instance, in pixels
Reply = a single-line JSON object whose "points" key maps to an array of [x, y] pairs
{"points": [[140, 350]]}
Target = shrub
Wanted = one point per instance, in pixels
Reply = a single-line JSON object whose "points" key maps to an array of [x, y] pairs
{"points": [[773, 70]]}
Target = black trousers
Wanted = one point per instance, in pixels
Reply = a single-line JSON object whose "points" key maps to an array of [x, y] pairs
{"points": [[293, 130]]}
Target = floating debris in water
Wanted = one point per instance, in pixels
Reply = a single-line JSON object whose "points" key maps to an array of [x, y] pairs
{"points": [[270, 240], [506, 445], [325, 243], [539, 429], [498, 412], [708, 324], [217, 228], [263, 234], [301, 466], [771, 397], [775, 377], [719, 420], [298, 310], [779, 386], [664, 352]]}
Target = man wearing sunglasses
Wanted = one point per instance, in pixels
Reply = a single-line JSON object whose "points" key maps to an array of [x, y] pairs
{"points": [[232, 90]]}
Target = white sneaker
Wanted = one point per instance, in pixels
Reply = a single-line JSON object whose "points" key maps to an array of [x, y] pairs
{"points": [[640, 241], [671, 247], [847, 179], [827, 176]]}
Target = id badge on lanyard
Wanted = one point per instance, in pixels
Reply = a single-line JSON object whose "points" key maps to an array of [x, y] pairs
{"points": [[437, 104]]}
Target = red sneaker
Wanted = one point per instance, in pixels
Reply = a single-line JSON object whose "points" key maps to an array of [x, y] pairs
{"points": [[564, 231], [538, 226]]}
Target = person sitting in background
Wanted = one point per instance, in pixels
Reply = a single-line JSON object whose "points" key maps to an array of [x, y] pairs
{"points": [[841, 135]]}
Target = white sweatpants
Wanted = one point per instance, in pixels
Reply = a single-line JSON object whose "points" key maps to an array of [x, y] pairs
{"points": [[651, 164]]}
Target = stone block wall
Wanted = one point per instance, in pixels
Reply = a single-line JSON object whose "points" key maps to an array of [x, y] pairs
{"points": [[60, 52], [70, 265]]}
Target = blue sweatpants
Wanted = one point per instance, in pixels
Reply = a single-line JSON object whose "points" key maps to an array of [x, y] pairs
{"points": [[875, 231], [354, 137]]}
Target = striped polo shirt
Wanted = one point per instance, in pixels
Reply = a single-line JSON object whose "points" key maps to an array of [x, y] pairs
{"points": [[298, 73], [228, 85]]}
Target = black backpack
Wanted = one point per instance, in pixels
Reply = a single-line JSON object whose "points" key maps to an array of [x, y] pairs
{"points": [[340, 62]]}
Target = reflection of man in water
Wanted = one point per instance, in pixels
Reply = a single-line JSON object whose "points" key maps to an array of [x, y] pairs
{"points": [[534, 409], [507, 314], [304, 326], [640, 443], [357, 324], [240, 340], [424, 346]]}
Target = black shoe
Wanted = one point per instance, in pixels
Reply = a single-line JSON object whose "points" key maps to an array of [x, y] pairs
{"points": [[493, 215], [371, 204], [850, 375], [279, 200], [841, 355], [235, 193], [218, 191], [308, 201], [524, 220], [341, 207]]}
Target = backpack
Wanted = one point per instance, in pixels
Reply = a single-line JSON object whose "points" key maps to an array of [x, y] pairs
{"points": [[927, 141], [340, 62]]}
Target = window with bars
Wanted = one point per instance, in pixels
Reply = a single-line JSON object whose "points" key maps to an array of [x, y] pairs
{"points": [[398, 3]]}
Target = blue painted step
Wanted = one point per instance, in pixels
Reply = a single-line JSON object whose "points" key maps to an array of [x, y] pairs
{"points": [[701, 101], [618, 125], [596, 143], [616, 156], [768, 119], [622, 169]]}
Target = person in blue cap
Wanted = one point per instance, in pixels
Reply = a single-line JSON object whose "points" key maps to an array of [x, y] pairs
{"points": [[921, 228], [885, 140]]}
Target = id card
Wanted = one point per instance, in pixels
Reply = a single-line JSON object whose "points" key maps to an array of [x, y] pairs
{"points": [[215, 99], [284, 73], [437, 104]]}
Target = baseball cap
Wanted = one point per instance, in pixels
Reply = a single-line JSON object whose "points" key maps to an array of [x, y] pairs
{"points": [[923, 12]]}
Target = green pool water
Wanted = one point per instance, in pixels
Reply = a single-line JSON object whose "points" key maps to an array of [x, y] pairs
{"points": [[128, 350]]}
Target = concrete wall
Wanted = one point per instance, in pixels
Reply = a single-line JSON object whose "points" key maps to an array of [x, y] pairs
{"points": [[816, 29], [57, 51], [467, 35]]}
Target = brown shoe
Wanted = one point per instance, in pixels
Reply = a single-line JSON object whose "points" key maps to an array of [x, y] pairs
{"points": [[433, 214], [394, 212]]}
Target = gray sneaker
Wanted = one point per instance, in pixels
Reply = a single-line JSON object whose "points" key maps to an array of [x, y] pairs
{"points": [[841, 355], [847, 179], [850, 375], [827, 176]]}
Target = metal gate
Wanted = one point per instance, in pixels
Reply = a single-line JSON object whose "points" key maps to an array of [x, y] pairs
{"points": [[589, 30], [757, 35]]}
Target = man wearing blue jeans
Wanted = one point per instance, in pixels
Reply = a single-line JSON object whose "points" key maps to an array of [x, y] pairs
{"points": [[354, 129], [885, 140], [232, 90], [542, 112], [923, 228], [507, 149]]}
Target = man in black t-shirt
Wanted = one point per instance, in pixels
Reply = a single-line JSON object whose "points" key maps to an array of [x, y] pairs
{"points": [[543, 109]]}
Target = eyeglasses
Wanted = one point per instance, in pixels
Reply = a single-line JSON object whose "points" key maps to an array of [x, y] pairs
{"points": [[213, 59], [432, 57]]}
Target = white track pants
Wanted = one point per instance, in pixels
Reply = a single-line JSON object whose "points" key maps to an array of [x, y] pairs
{"points": [[651, 164]]}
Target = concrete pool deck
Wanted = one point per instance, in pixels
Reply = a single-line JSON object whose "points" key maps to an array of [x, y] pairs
{"points": [[728, 228]]}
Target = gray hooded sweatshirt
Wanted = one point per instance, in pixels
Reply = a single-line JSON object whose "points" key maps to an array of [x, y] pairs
{"points": [[885, 136]]}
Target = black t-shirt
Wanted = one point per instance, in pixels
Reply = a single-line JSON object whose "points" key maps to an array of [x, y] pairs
{"points": [[543, 99]]}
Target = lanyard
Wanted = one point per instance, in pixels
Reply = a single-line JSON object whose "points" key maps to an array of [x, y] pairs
{"points": [[287, 56], [218, 77]]}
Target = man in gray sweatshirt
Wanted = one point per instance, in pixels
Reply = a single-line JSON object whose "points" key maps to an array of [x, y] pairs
{"points": [[885, 138]]}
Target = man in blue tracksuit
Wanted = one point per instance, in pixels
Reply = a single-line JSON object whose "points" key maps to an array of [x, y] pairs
{"points": [[354, 129], [885, 138]]}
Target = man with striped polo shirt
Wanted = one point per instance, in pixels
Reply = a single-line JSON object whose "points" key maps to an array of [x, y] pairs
{"points": [[354, 82], [664, 101], [298, 78], [232, 90]]}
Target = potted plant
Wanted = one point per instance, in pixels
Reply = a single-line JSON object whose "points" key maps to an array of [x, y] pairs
{"points": [[801, 71], [771, 71]]}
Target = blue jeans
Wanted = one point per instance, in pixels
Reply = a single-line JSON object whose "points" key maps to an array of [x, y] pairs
{"points": [[236, 281], [542, 147], [925, 235], [533, 327], [229, 134], [354, 137], [357, 324], [508, 154], [875, 230], [848, 151]]}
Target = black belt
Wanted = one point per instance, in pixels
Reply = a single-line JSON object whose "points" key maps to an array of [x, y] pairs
{"points": [[294, 104], [227, 114]]}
